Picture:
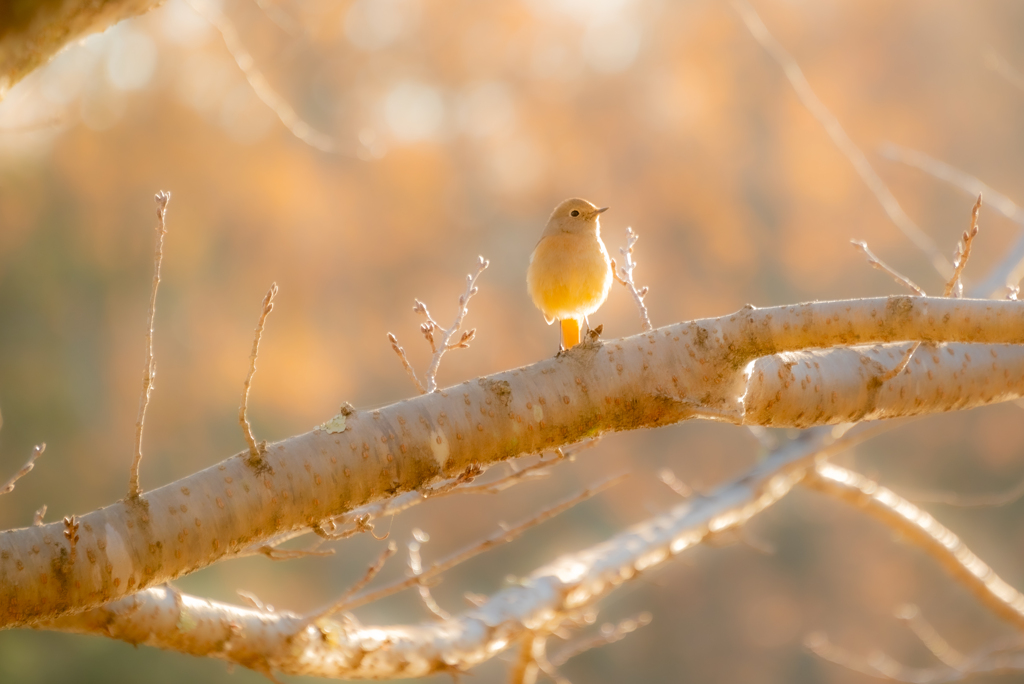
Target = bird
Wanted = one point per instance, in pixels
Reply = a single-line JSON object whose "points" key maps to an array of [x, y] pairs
{"points": [[570, 273]]}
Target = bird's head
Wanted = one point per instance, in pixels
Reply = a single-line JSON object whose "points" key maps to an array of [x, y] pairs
{"points": [[574, 216]]}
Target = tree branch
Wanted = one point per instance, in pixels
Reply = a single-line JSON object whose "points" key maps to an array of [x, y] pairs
{"points": [[688, 369], [31, 33], [535, 606]]}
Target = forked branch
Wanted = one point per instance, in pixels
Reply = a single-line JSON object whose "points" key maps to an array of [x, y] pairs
{"points": [[624, 274], [431, 328]]}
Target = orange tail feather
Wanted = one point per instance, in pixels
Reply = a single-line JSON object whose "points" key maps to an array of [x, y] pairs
{"points": [[570, 332]]}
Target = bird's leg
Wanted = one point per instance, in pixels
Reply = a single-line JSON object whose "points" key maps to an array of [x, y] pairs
{"points": [[561, 343]]}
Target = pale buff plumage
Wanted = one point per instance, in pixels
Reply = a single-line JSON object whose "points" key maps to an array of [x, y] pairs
{"points": [[570, 273]]}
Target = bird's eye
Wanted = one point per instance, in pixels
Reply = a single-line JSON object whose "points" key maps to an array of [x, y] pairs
{"points": [[574, 212]]}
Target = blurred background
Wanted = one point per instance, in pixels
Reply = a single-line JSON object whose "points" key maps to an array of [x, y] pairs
{"points": [[434, 132]]}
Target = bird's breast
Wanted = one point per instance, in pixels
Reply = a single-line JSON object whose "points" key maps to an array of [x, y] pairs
{"points": [[569, 275]]}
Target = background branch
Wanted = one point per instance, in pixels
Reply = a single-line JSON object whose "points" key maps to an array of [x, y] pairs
{"points": [[33, 32]]}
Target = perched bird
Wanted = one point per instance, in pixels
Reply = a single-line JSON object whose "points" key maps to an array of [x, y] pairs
{"points": [[570, 273]]}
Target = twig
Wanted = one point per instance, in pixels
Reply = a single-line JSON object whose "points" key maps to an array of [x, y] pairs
{"points": [[255, 450], [540, 656], [534, 470], [962, 501], [405, 363], [898, 368], [1002, 656], [840, 138], [963, 252], [445, 344], [291, 554], [359, 524], [162, 198], [926, 532], [37, 451], [416, 568], [930, 637], [254, 601], [37, 519], [624, 274], [669, 479], [341, 602], [264, 91], [609, 635], [1011, 267], [955, 177], [501, 537], [886, 268]]}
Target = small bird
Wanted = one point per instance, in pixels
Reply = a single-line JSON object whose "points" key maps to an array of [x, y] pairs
{"points": [[570, 273]]}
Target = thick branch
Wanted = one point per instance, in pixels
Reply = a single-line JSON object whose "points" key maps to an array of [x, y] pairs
{"points": [[657, 378], [538, 604]]}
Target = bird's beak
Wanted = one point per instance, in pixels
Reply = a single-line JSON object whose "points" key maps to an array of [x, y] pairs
{"points": [[601, 210]]}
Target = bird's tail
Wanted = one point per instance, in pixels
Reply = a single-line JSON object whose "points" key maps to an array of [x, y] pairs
{"points": [[570, 332]]}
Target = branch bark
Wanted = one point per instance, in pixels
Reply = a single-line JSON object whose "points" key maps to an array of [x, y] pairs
{"points": [[697, 369], [31, 33], [536, 606]]}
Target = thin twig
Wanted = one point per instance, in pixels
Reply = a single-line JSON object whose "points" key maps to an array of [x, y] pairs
{"points": [[840, 138], [963, 501], [416, 568], [609, 635], [930, 637], [534, 470], [496, 539], [540, 656], [162, 198], [886, 268], [255, 450], [358, 520], [963, 252], [1002, 656], [969, 184], [37, 451], [37, 519], [341, 603], [624, 274], [359, 524], [291, 554], [1011, 267], [669, 479], [898, 368], [445, 344], [405, 363], [254, 601], [264, 91]]}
